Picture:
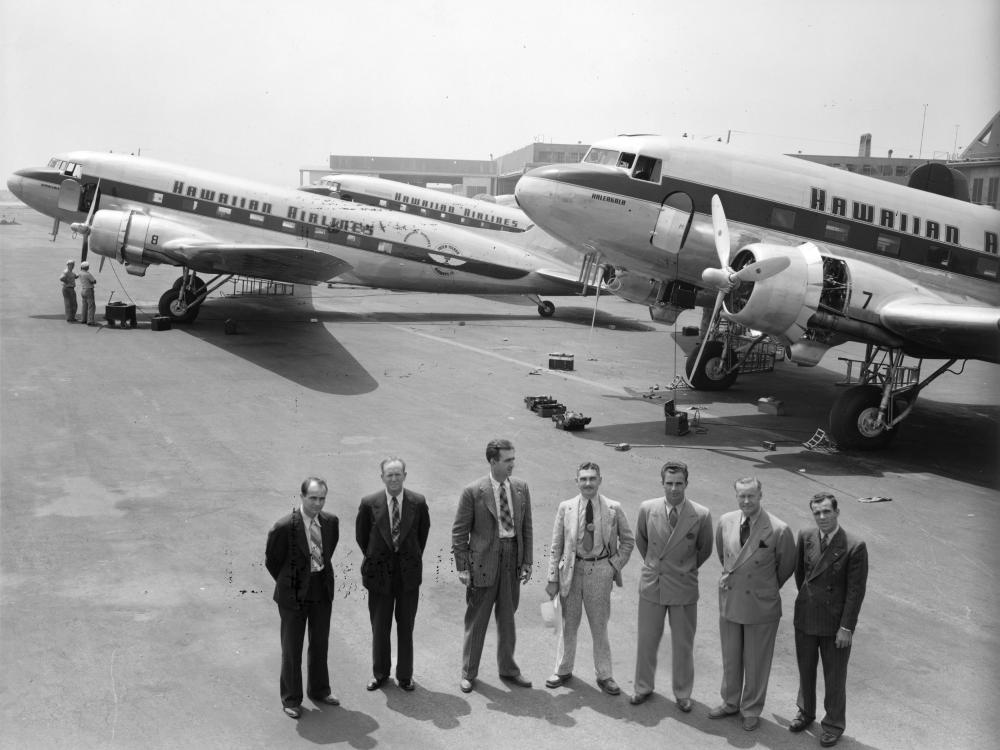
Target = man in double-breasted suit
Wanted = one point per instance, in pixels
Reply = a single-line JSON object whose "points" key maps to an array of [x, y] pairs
{"points": [[831, 573], [674, 537], [298, 556], [391, 530], [491, 541], [591, 542], [757, 552]]}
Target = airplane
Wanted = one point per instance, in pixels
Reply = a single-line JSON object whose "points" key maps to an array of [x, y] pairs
{"points": [[805, 254], [141, 212]]}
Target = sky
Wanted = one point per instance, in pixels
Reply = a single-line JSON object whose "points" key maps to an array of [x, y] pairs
{"points": [[259, 89]]}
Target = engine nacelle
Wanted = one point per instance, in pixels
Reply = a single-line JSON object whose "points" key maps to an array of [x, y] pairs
{"points": [[636, 288], [136, 239], [781, 305]]}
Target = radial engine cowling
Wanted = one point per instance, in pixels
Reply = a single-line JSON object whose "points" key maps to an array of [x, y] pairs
{"points": [[633, 287], [781, 305], [136, 239]]}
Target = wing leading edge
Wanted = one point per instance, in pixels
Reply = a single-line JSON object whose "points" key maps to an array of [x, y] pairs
{"points": [[947, 330], [299, 265]]}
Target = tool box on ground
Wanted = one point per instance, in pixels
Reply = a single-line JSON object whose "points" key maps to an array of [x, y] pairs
{"points": [[560, 361], [121, 314], [571, 421]]}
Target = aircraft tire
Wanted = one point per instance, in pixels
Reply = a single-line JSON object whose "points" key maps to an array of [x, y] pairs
{"points": [[546, 309], [708, 377], [852, 420], [171, 307]]}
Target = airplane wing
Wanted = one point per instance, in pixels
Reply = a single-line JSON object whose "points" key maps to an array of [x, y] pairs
{"points": [[300, 265], [953, 330], [570, 279]]}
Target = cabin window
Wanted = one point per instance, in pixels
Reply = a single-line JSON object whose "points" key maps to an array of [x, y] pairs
{"points": [[223, 212], [383, 203], [385, 247], [782, 218], [836, 231], [259, 218], [290, 226], [352, 239], [938, 256], [319, 232], [647, 168], [601, 156], [987, 267], [887, 245], [157, 197]]}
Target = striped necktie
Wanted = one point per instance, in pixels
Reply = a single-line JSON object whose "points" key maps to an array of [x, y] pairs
{"points": [[824, 542], [315, 545], [506, 522], [395, 522], [588, 532], [672, 518]]}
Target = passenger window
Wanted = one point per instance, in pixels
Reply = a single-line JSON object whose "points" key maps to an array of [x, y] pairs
{"points": [[782, 218], [888, 245], [987, 267], [836, 232], [938, 256]]}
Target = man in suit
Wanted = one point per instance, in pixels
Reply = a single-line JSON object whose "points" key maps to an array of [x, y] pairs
{"points": [[831, 573], [591, 542], [674, 536], [298, 557], [491, 542], [757, 552], [391, 530]]}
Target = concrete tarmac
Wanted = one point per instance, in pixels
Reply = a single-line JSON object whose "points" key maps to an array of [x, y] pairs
{"points": [[142, 470]]}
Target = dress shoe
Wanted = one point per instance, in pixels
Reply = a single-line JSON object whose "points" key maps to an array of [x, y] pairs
{"points": [[800, 723], [557, 680], [609, 686], [516, 679], [466, 685], [638, 698], [407, 685], [829, 739], [293, 711], [750, 723], [684, 704], [330, 700], [375, 683], [721, 711]]}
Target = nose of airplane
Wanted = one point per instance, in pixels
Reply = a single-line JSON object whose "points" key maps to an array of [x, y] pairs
{"points": [[15, 183]]}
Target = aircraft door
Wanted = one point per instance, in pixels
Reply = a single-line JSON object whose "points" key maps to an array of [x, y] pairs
{"points": [[70, 196], [672, 224]]}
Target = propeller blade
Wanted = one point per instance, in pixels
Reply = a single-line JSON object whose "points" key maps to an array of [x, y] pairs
{"points": [[763, 269], [100, 266], [84, 247], [721, 229], [84, 228], [704, 339]]}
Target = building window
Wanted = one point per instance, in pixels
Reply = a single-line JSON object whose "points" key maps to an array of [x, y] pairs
{"points": [[991, 191], [866, 169], [900, 171], [977, 190], [888, 245], [887, 170]]}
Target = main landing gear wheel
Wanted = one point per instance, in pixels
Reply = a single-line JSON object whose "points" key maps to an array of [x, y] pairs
{"points": [[195, 284], [854, 419], [712, 372], [546, 309], [178, 312]]}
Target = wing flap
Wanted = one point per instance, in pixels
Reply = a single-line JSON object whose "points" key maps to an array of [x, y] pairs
{"points": [[300, 265], [966, 332]]}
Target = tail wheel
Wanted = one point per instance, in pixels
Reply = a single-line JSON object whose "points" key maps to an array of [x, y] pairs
{"points": [[712, 372], [546, 309], [178, 312], [854, 419]]}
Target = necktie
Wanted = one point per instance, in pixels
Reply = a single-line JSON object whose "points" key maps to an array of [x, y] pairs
{"points": [[824, 542], [316, 545], [672, 518], [744, 531], [588, 533], [395, 522], [506, 522]]}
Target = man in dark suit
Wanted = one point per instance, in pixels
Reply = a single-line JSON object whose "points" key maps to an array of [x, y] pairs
{"points": [[491, 541], [391, 530], [757, 552], [299, 549], [831, 573]]}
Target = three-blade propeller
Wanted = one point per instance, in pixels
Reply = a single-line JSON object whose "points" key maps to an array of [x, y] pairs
{"points": [[84, 227]]}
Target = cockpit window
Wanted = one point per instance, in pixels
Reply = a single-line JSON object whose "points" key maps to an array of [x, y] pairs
{"points": [[625, 161], [602, 156], [647, 168]]}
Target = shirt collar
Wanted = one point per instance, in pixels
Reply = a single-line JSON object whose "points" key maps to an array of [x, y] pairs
{"points": [[398, 496], [305, 517]]}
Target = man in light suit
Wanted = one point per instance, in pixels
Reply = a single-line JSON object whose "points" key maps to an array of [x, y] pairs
{"points": [[674, 536], [298, 556], [591, 542], [391, 530], [757, 552], [491, 542], [831, 573]]}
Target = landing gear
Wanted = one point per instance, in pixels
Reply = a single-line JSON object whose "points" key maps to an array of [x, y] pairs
{"points": [[177, 309], [546, 309], [182, 301], [195, 283], [714, 372], [855, 421]]}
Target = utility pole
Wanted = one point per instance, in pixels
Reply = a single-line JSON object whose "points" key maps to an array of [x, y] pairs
{"points": [[920, 155]]}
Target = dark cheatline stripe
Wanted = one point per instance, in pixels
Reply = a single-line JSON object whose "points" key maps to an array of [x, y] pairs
{"points": [[809, 224], [432, 213]]}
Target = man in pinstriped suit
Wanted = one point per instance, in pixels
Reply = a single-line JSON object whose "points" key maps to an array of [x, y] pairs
{"points": [[491, 542], [831, 573]]}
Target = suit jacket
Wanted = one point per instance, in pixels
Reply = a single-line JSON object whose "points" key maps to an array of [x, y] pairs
{"points": [[567, 534], [752, 575], [670, 562], [831, 584], [373, 531], [287, 559], [475, 538]]}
